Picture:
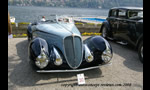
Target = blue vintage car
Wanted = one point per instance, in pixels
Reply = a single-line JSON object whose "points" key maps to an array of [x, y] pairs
{"points": [[56, 45]]}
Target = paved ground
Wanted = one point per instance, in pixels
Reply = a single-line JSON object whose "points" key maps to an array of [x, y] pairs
{"points": [[125, 73]]}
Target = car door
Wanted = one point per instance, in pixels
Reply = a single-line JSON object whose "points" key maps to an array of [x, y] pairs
{"points": [[132, 29], [122, 25], [112, 19]]}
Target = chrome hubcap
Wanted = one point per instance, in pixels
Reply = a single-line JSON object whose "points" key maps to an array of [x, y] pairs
{"points": [[104, 32]]}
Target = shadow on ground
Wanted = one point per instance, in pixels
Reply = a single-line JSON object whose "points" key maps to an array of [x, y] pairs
{"points": [[22, 73], [129, 55]]}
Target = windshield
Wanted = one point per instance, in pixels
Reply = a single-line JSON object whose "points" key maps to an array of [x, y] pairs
{"points": [[56, 18], [64, 19], [135, 14]]}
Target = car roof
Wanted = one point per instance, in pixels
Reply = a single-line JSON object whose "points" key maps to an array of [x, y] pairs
{"points": [[128, 8]]}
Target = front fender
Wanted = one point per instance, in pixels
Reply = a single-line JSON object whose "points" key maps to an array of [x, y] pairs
{"points": [[97, 43], [105, 24], [97, 46], [35, 47]]}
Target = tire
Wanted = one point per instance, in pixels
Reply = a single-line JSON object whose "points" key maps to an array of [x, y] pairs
{"points": [[29, 39], [140, 51], [104, 32], [29, 36]]}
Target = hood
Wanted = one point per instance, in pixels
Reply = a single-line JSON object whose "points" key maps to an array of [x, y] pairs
{"points": [[61, 30]]}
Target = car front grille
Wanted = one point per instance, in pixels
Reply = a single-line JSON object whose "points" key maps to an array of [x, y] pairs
{"points": [[73, 50]]}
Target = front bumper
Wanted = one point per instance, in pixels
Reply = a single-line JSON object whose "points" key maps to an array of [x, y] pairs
{"points": [[73, 70]]}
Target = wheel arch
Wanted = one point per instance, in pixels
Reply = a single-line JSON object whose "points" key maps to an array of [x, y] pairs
{"points": [[106, 24]]}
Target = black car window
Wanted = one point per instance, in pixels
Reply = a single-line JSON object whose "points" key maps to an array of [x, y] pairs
{"points": [[135, 14], [122, 13], [113, 13]]}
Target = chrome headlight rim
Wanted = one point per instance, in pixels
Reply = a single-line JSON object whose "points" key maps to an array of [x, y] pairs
{"points": [[42, 60], [107, 55]]}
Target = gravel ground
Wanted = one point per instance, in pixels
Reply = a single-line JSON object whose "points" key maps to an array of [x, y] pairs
{"points": [[125, 73]]}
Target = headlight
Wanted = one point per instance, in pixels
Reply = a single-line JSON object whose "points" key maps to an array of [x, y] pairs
{"points": [[107, 55], [58, 61], [88, 55], [42, 60], [89, 58]]}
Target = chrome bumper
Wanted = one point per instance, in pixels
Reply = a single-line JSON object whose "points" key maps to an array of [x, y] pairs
{"points": [[74, 70]]}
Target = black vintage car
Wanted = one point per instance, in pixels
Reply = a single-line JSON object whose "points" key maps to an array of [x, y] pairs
{"points": [[125, 24], [56, 46]]}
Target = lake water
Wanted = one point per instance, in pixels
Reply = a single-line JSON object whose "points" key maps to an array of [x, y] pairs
{"points": [[31, 13]]}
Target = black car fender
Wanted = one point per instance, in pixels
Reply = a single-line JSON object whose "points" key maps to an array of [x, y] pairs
{"points": [[97, 43], [105, 24], [35, 47], [97, 46]]}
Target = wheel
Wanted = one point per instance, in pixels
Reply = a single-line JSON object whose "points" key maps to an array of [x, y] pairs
{"points": [[104, 32], [29, 36], [140, 51]]}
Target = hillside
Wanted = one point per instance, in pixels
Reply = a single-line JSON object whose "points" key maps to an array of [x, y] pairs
{"points": [[77, 3]]}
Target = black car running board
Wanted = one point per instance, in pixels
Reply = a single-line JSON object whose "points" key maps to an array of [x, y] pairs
{"points": [[122, 43]]}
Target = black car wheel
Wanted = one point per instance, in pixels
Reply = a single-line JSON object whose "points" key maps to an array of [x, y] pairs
{"points": [[29, 36], [104, 32], [140, 51]]}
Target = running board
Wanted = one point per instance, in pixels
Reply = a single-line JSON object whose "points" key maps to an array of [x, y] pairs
{"points": [[122, 43], [110, 38]]}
